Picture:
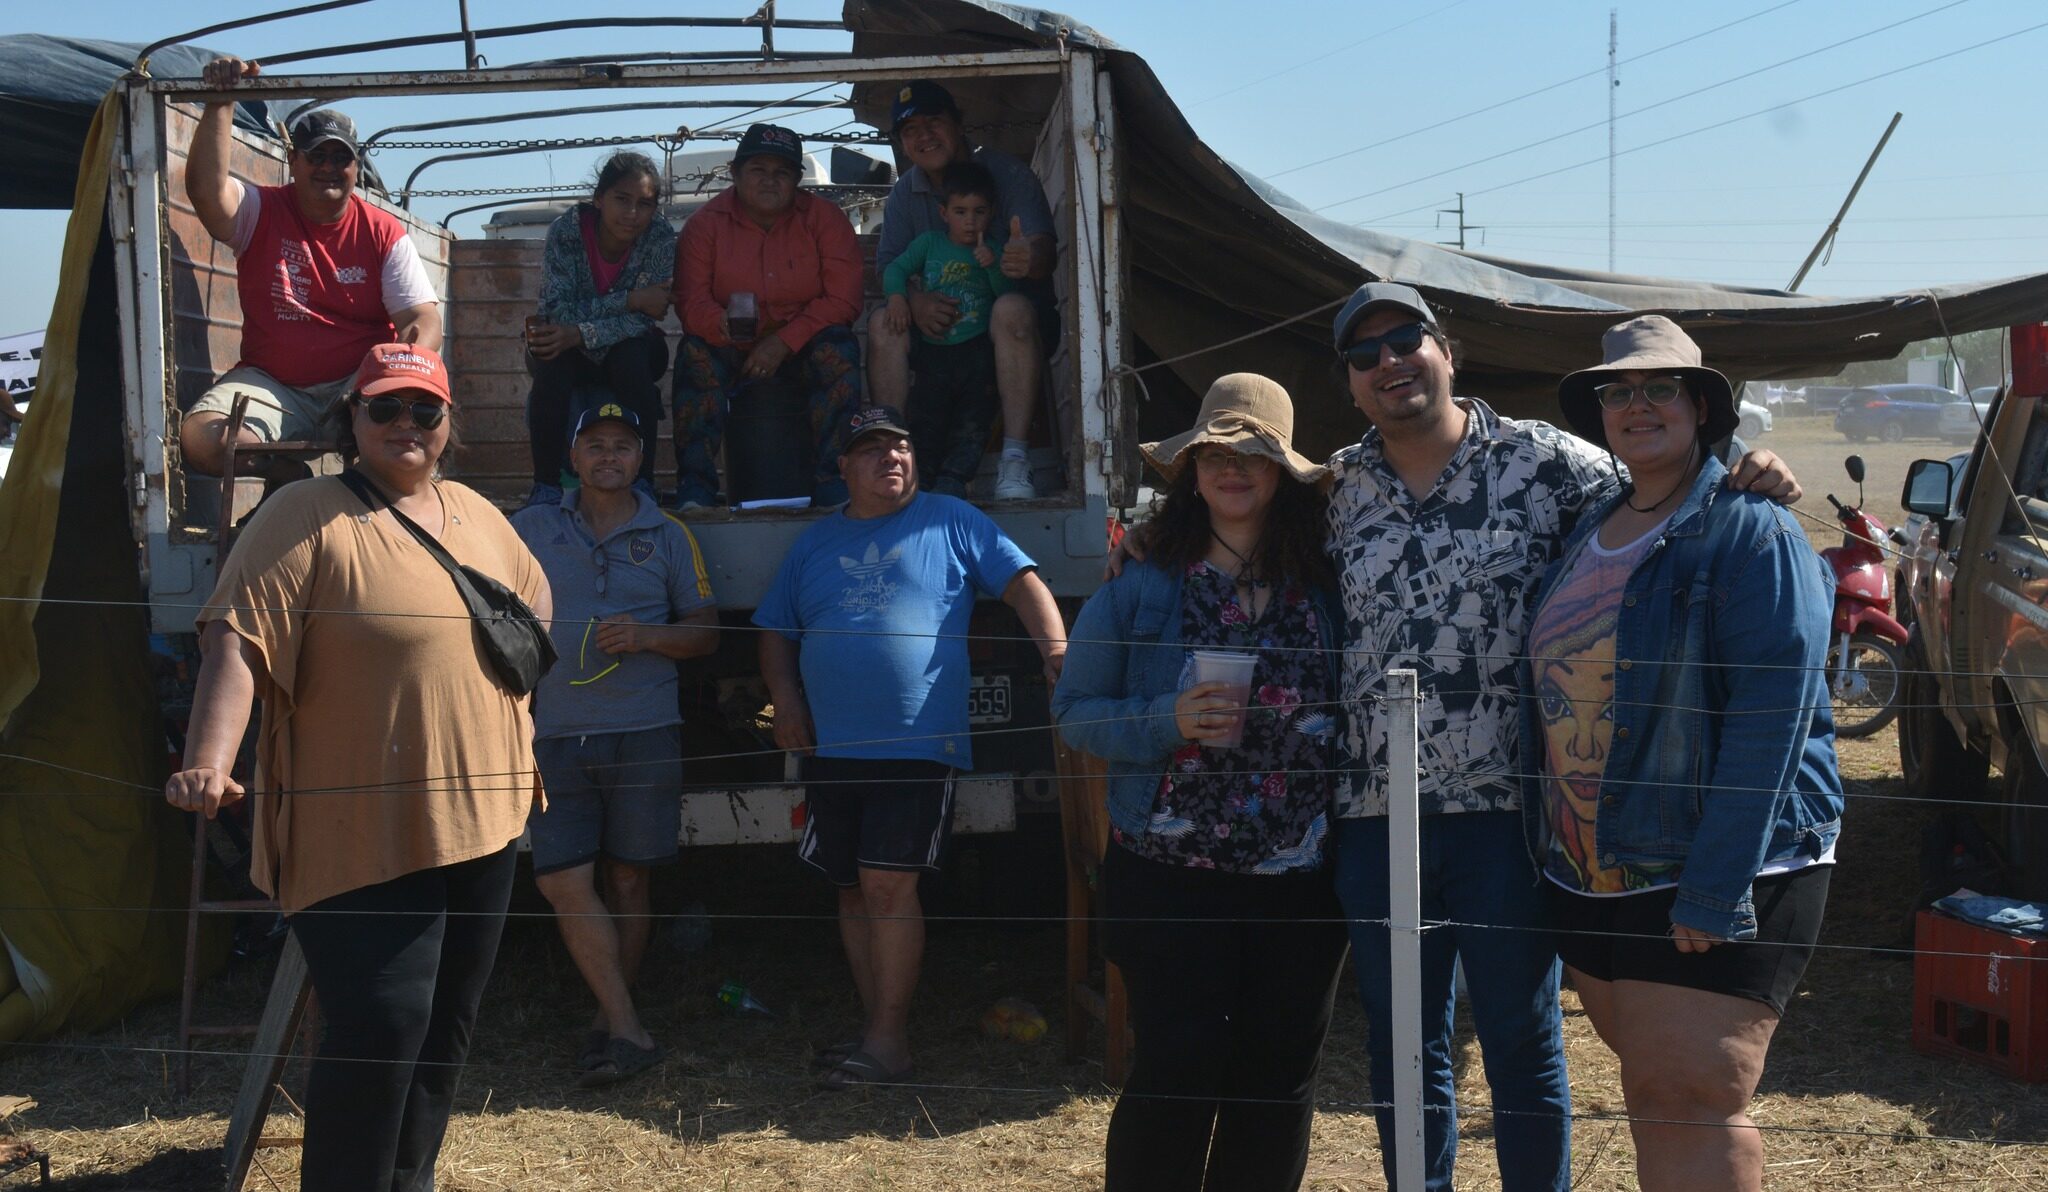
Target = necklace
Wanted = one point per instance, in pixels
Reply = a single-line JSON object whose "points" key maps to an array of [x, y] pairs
{"points": [[1244, 580], [1683, 477]]}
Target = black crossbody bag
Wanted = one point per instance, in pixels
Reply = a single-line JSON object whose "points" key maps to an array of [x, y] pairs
{"points": [[513, 637]]}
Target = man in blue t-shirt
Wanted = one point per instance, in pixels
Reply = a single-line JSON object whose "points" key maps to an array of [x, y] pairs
{"points": [[632, 598], [1024, 325], [866, 661]]}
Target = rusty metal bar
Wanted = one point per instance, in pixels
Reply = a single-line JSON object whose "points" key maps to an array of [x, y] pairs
{"points": [[239, 23], [472, 36], [783, 70], [370, 141]]}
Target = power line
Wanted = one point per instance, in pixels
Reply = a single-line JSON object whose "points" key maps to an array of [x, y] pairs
{"points": [[1751, 116], [1659, 104], [1376, 35], [1530, 94]]}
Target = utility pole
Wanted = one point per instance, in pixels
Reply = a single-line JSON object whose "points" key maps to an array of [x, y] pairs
{"points": [[1827, 238], [1463, 227], [1613, 87]]}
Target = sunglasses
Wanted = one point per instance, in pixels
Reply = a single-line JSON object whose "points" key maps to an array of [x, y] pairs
{"points": [[1658, 391], [1364, 355], [425, 414], [323, 158], [1226, 460]]}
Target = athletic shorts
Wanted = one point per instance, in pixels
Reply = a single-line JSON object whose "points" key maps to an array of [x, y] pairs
{"points": [[615, 795], [277, 411], [867, 813], [1766, 969]]}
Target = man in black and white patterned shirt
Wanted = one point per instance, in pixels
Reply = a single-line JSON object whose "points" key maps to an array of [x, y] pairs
{"points": [[1442, 519]]}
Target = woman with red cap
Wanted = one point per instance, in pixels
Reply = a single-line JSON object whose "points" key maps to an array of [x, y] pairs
{"points": [[394, 766]]}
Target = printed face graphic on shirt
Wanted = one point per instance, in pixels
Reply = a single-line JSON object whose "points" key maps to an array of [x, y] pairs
{"points": [[868, 587]]}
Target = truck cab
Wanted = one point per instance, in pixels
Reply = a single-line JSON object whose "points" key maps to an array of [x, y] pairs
{"points": [[1975, 588]]}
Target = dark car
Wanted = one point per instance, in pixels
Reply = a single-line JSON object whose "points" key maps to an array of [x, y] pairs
{"points": [[1894, 412]]}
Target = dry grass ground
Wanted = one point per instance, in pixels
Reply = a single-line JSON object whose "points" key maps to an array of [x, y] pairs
{"points": [[1848, 1102]]}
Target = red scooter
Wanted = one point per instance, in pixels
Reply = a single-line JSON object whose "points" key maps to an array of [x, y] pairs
{"points": [[1863, 661]]}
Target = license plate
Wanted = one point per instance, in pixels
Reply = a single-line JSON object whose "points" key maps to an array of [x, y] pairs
{"points": [[988, 699]]}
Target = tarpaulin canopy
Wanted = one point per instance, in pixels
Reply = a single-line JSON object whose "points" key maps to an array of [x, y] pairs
{"points": [[92, 861], [1216, 253], [49, 88]]}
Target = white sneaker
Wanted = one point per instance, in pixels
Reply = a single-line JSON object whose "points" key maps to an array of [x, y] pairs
{"points": [[1013, 479]]}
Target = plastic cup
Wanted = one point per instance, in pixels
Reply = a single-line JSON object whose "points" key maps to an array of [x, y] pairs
{"points": [[1233, 669], [741, 316]]}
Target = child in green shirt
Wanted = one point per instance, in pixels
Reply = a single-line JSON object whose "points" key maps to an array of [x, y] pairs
{"points": [[953, 401]]}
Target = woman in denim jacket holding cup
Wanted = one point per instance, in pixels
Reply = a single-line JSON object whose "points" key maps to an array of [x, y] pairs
{"points": [[1679, 764], [1217, 898]]}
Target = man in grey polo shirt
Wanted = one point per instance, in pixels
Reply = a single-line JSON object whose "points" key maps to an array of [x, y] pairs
{"points": [[1024, 325], [632, 598]]}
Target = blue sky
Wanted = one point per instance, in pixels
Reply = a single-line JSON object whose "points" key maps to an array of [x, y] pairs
{"points": [[1335, 103]]}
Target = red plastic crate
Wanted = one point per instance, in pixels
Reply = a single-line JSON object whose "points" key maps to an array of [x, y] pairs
{"points": [[1981, 995]]}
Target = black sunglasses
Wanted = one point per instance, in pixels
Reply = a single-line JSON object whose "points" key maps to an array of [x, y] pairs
{"points": [[425, 414], [1364, 355]]}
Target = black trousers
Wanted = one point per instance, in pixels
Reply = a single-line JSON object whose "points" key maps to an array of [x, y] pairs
{"points": [[953, 407], [1231, 979], [628, 373], [399, 968]]}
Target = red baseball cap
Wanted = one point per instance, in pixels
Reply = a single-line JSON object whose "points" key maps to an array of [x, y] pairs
{"points": [[402, 366]]}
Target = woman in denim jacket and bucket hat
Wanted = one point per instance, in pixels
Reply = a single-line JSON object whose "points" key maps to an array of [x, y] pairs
{"points": [[1679, 764], [1218, 903]]}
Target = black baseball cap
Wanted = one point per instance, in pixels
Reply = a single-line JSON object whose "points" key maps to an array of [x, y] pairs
{"points": [[920, 97], [872, 420], [321, 125], [1381, 293], [610, 411], [773, 140]]}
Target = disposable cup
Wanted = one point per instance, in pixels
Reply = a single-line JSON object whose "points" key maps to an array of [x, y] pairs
{"points": [[741, 318], [1233, 669]]}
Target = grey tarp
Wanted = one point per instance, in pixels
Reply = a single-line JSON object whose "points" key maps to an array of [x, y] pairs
{"points": [[49, 87], [1215, 253]]}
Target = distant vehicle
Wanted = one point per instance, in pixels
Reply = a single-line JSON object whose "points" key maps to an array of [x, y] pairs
{"points": [[1894, 412], [1961, 422], [1825, 399], [1756, 420]]}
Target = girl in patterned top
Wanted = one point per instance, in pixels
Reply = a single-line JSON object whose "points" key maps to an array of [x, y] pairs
{"points": [[1218, 902]]}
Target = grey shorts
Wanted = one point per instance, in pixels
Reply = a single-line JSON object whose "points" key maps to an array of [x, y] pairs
{"points": [[616, 795], [277, 411]]}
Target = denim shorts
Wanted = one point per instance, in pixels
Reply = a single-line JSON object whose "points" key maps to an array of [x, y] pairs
{"points": [[618, 795]]}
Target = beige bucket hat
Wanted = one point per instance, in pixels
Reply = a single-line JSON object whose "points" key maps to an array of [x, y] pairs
{"points": [[1654, 344], [1244, 411]]}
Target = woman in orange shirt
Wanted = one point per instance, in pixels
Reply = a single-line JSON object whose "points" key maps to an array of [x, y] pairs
{"points": [[796, 255], [395, 769]]}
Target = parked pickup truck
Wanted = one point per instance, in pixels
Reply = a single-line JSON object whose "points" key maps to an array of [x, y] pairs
{"points": [[1974, 585]]}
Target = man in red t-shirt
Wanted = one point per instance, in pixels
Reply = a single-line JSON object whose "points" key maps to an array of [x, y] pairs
{"points": [[323, 277]]}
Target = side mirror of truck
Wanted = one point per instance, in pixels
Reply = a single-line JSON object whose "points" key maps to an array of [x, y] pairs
{"points": [[1928, 482]]}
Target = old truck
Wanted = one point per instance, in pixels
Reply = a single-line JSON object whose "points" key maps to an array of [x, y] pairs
{"points": [[179, 319], [1974, 583]]}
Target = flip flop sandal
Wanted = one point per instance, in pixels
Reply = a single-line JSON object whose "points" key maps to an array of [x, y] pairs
{"points": [[591, 1052], [621, 1061], [861, 1069], [834, 1055]]}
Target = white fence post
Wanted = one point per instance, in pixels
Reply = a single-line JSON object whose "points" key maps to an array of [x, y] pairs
{"points": [[1404, 906]]}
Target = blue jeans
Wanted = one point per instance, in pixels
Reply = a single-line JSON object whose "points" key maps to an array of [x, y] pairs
{"points": [[1475, 869]]}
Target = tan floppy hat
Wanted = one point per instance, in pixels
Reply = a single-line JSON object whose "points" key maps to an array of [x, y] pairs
{"points": [[1653, 344], [1244, 411]]}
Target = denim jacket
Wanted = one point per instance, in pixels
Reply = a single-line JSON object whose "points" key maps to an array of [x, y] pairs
{"points": [[1120, 680], [1722, 756]]}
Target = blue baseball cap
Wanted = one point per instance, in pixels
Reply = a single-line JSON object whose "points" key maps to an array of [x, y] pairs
{"points": [[610, 411], [920, 97], [1381, 293]]}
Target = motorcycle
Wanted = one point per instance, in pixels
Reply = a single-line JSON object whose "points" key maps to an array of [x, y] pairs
{"points": [[1863, 666]]}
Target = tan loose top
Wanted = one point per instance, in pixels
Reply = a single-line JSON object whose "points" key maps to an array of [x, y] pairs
{"points": [[389, 743]]}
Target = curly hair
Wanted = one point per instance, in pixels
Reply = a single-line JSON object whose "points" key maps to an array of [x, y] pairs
{"points": [[1290, 550]]}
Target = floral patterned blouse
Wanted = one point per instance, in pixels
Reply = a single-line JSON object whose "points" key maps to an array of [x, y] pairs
{"points": [[1264, 806]]}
